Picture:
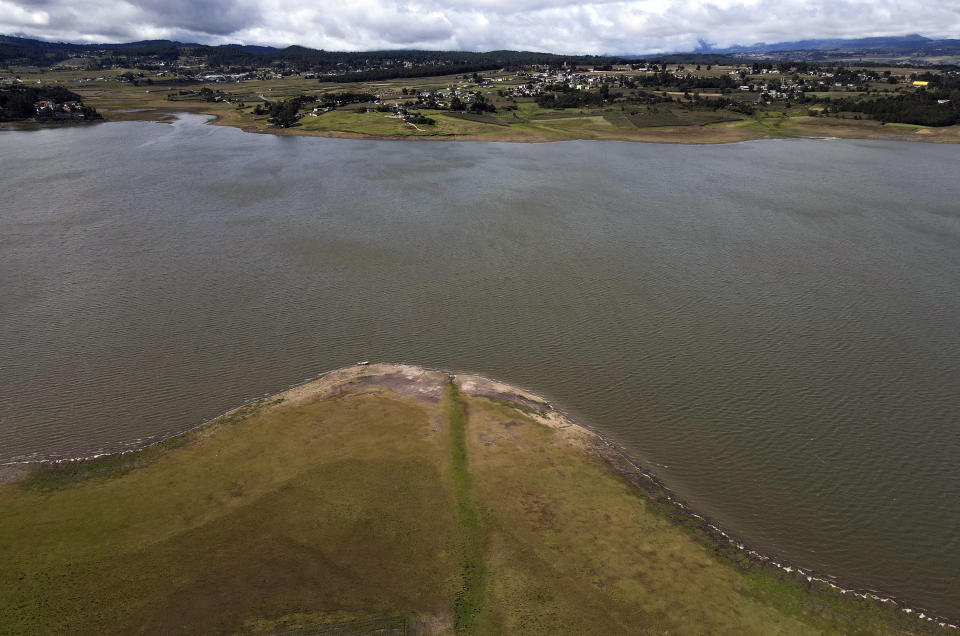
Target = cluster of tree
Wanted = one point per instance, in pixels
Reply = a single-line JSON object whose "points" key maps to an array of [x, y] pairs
{"points": [[744, 108], [846, 76], [479, 104], [644, 97], [569, 99], [207, 94], [797, 67], [417, 118], [471, 62], [926, 108], [427, 70], [19, 102], [939, 81], [283, 114], [428, 101], [714, 59], [40, 53], [143, 52], [331, 100], [13, 50], [687, 81], [286, 113]]}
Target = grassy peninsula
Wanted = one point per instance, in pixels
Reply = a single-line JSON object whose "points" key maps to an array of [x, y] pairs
{"points": [[386, 499]]}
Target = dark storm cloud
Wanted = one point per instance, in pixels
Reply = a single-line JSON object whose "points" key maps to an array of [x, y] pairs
{"points": [[130, 19], [598, 26], [215, 17]]}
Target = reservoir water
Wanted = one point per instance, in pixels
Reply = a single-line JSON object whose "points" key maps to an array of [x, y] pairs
{"points": [[773, 327]]}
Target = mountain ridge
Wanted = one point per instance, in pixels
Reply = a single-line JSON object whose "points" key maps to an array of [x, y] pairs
{"points": [[912, 41]]}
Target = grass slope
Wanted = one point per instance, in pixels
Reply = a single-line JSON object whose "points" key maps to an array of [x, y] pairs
{"points": [[365, 509], [469, 602]]}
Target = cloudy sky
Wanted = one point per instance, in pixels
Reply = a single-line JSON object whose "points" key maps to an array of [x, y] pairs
{"points": [[561, 26]]}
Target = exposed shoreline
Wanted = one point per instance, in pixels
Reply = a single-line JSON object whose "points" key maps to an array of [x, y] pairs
{"points": [[706, 134], [407, 380]]}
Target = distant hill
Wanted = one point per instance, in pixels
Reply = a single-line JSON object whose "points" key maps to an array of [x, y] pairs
{"points": [[897, 42], [19, 50], [911, 49]]}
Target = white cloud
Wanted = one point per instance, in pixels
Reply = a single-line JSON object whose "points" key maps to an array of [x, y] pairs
{"points": [[16, 15], [562, 26]]}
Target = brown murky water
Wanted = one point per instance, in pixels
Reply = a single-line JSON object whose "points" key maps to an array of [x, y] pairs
{"points": [[774, 326]]}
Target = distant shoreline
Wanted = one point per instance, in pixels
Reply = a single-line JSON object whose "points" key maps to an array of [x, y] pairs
{"points": [[713, 134], [402, 379], [707, 134]]}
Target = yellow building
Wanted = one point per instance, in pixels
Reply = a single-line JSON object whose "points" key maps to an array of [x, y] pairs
{"points": [[920, 83]]}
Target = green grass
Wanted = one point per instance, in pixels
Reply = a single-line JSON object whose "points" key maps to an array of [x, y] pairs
{"points": [[348, 120], [294, 509], [50, 477], [469, 601], [480, 118], [556, 515], [457, 421]]}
